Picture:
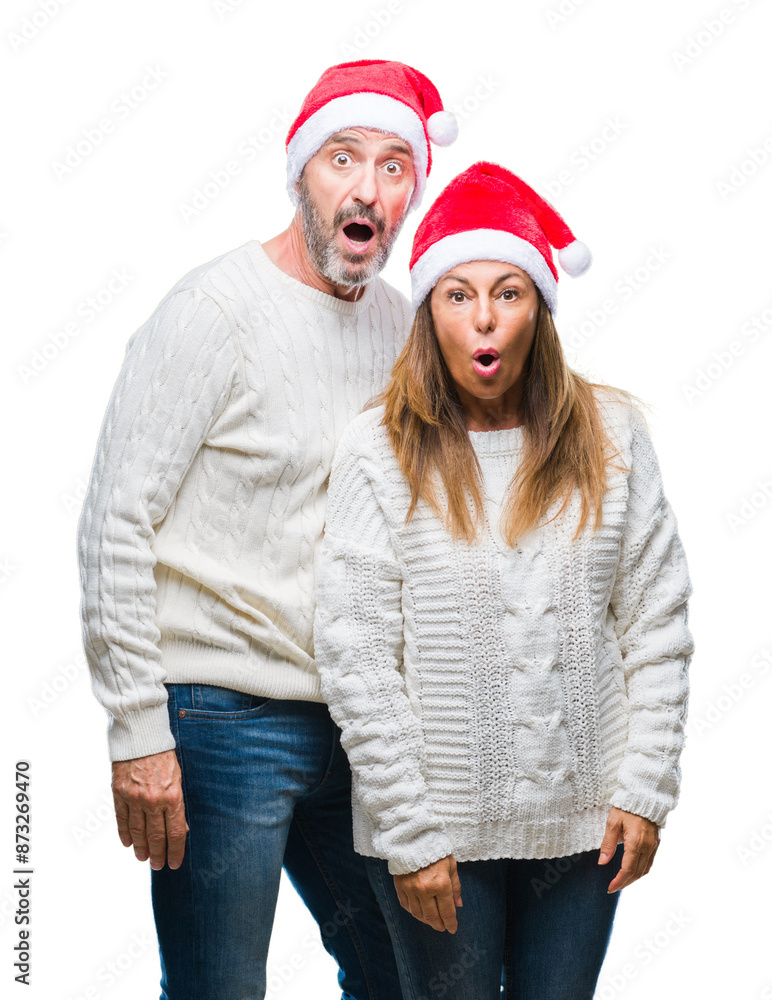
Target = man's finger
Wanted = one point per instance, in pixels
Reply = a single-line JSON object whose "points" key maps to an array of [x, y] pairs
{"points": [[122, 819], [156, 836], [176, 832], [138, 831]]}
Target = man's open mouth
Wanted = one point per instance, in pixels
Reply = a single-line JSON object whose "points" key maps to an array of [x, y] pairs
{"points": [[358, 232]]}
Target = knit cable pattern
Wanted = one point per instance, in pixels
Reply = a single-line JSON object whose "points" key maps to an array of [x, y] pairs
{"points": [[207, 496], [496, 701]]}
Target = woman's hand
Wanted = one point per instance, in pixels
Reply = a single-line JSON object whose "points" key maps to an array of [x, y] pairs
{"points": [[432, 894], [641, 839]]}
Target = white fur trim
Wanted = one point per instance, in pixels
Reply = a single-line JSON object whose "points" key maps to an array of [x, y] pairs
{"points": [[442, 127], [361, 110], [481, 244], [575, 259]]}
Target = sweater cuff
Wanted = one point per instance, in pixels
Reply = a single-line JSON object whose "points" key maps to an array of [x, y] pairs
{"points": [[650, 807], [140, 733], [429, 847]]}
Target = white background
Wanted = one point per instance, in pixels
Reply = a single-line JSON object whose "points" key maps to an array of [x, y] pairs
{"points": [[653, 110]]}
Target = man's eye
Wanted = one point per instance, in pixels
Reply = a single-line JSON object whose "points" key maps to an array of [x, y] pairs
{"points": [[397, 168], [339, 157]]}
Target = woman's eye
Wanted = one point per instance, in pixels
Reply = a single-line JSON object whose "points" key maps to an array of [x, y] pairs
{"points": [[511, 292], [454, 298]]}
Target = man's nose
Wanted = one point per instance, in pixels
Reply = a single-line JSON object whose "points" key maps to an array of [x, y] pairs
{"points": [[365, 189]]}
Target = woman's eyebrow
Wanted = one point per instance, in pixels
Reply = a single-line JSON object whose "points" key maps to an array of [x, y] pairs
{"points": [[465, 281]]}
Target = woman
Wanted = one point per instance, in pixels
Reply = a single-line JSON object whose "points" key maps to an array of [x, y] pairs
{"points": [[501, 625]]}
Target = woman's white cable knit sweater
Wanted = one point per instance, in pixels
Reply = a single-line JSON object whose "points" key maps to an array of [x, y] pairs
{"points": [[496, 702]]}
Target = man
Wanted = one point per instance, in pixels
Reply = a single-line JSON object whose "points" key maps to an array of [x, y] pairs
{"points": [[196, 548]]}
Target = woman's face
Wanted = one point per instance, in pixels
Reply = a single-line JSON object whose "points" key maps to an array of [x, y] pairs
{"points": [[479, 305]]}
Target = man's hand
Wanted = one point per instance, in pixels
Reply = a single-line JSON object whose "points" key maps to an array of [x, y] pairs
{"points": [[149, 808], [432, 894], [641, 839]]}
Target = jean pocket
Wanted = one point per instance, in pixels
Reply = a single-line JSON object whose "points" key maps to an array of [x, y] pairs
{"points": [[208, 701]]}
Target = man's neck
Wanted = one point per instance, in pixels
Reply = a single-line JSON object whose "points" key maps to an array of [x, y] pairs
{"points": [[288, 252]]}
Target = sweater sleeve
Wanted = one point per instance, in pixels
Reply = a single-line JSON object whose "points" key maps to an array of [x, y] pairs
{"points": [[175, 379], [649, 602], [358, 642]]}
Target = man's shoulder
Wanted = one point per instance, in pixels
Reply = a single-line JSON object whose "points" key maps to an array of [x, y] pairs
{"points": [[398, 302], [364, 435], [193, 298], [204, 277]]}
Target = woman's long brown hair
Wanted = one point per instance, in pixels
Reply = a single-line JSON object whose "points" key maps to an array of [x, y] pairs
{"points": [[565, 444]]}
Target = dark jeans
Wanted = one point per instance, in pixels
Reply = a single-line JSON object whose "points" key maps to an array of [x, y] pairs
{"points": [[540, 928], [266, 782]]}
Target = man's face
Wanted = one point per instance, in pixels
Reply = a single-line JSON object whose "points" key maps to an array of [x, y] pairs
{"points": [[354, 195]]}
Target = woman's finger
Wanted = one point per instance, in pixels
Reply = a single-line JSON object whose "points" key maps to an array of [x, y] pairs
{"points": [[446, 908], [634, 861], [650, 862], [426, 905], [455, 882]]}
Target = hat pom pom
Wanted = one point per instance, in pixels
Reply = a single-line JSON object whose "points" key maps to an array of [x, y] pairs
{"points": [[442, 128], [575, 259]]}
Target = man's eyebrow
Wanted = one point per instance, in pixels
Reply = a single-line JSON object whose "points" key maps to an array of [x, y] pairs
{"points": [[345, 137], [394, 146], [399, 147], [464, 281]]}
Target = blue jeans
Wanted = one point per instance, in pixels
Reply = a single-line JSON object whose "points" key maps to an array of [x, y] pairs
{"points": [[266, 783], [539, 928]]}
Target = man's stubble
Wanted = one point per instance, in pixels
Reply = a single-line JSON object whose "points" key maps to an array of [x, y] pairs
{"points": [[338, 266]]}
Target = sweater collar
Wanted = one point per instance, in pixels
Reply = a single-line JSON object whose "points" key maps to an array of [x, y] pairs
{"points": [[264, 263], [500, 442]]}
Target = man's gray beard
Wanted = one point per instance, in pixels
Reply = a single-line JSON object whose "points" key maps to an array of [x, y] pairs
{"points": [[326, 258]]}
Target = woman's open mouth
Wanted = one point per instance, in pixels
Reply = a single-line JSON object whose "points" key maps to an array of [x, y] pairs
{"points": [[486, 361], [358, 236]]}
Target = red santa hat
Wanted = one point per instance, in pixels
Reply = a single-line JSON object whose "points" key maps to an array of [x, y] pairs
{"points": [[488, 213], [371, 93]]}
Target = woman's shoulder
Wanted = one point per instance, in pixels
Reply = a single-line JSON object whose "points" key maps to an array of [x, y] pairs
{"points": [[623, 413], [364, 436]]}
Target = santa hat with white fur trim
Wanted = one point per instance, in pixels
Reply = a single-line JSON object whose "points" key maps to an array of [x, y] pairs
{"points": [[488, 213], [371, 93]]}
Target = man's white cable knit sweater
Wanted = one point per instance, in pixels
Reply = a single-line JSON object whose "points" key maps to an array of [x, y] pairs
{"points": [[207, 495], [496, 702]]}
